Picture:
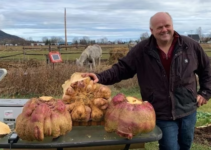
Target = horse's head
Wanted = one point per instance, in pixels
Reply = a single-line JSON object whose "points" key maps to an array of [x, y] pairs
{"points": [[78, 63]]}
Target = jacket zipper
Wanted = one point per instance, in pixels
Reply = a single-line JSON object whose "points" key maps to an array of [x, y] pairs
{"points": [[156, 56], [171, 83]]}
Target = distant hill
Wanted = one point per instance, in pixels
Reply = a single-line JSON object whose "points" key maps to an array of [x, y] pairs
{"points": [[7, 38]]}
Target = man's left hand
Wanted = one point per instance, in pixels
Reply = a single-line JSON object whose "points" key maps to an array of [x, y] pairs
{"points": [[201, 100]]}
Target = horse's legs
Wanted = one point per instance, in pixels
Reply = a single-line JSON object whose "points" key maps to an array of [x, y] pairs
{"points": [[93, 62], [99, 61], [90, 66]]}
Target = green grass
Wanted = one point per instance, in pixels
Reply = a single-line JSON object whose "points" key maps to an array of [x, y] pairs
{"points": [[203, 118], [42, 55], [66, 54], [208, 51], [133, 91]]}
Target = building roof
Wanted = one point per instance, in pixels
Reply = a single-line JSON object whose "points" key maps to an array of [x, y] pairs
{"points": [[194, 36]]}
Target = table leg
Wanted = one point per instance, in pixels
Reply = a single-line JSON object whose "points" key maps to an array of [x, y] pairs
{"points": [[127, 146], [60, 148]]}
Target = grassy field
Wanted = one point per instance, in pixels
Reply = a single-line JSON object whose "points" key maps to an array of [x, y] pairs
{"points": [[41, 55], [17, 52]]}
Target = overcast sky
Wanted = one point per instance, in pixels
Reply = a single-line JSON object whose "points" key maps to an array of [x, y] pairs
{"points": [[113, 19]]}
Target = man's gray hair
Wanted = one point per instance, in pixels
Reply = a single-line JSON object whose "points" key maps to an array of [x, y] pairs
{"points": [[150, 21]]}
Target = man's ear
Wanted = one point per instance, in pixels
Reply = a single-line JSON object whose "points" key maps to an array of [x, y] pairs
{"points": [[151, 30]]}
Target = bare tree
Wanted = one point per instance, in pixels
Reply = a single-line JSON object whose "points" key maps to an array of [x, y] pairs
{"points": [[55, 39], [92, 42], [75, 40], [87, 39], [104, 40], [198, 31], [144, 36], [44, 39]]}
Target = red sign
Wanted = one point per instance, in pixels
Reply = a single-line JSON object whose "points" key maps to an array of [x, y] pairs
{"points": [[55, 57]]}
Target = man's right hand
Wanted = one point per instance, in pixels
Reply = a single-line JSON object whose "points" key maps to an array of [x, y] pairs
{"points": [[92, 76], [201, 100]]}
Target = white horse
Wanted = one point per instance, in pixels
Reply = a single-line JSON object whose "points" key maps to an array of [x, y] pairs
{"points": [[89, 56]]}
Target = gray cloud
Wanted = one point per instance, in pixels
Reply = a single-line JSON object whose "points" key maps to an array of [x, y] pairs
{"points": [[114, 19]]}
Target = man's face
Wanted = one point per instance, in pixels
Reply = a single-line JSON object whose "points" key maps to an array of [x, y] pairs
{"points": [[162, 28]]}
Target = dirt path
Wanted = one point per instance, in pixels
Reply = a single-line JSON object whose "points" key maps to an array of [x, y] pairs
{"points": [[203, 135]]}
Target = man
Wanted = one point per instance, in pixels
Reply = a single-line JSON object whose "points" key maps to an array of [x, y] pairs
{"points": [[166, 64]]}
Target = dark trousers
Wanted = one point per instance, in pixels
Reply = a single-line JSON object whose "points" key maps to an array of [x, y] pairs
{"points": [[177, 134]]}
